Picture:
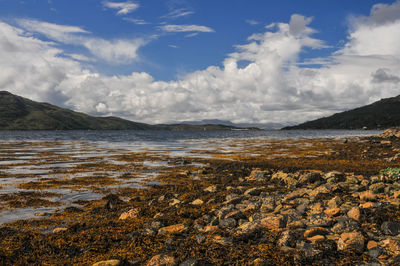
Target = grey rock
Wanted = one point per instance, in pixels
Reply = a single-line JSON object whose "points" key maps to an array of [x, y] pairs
{"points": [[227, 223], [345, 224], [391, 228], [190, 262], [375, 252]]}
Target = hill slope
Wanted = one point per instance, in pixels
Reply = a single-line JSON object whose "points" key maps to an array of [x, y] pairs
{"points": [[18, 113], [378, 115]]}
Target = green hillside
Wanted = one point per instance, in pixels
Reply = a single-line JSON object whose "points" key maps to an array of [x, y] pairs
{"points": [[379, 115]]}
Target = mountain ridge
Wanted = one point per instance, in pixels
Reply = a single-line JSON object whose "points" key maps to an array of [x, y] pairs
{"points": [[381, 114], [19, 113]]}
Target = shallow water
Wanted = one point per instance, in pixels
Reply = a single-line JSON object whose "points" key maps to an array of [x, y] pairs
{"points": [[79, 165]]}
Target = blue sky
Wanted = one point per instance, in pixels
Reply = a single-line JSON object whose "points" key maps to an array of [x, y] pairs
{"points": [[168, 60]]}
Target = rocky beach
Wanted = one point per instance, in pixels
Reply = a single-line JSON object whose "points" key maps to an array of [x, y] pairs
{"points": [[322, 201]]}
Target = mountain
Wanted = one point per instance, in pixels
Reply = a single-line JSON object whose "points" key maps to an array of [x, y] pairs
{"points": [[378, 115], [258, 126], [18, 113]]}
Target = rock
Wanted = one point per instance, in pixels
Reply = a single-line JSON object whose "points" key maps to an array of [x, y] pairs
{"points": [[315, 231], [227, 223], [316, 239], [233, 199], [132, 213], [156, 225], [259, 175], [390, 228], [332, 211], [161, 260], [367, 196], [197, 202], [372, 244], [309, 250], [211, 189], [235, 215], [190, 262], [320, 220], [174, 202], [210, 228], [172, 229], [222, 240], [345, 224], [377, 188], [353, 241], [354, 213], [59, 229], [335, 176], [113, 201], [273, 222], [319, 191], [335, 202], [309, 178], [352, 180], [108, 263], [285, 178], [253, 192], [367, 205], [375, 252]]}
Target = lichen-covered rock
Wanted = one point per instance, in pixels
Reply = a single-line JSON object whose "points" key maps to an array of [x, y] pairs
{"points": [[353, 241], [132, 213]]}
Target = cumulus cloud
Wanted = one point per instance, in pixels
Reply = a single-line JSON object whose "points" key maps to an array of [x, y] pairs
{"points": [[118, 51], [186, 28], [122, 7], [263, 80]]}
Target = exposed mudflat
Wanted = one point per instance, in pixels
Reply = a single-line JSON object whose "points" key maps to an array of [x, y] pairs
{"points": [[215, 202]]}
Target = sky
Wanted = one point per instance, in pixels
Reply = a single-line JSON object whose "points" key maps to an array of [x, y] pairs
{"points": [[161, 61]]}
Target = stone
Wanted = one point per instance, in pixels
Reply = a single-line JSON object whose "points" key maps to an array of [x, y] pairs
{"points": [[390, 228], [319, 191], [315, 231], [353, 241], [345, 224], [367, 205], [200, 239], [210, 228], [259, 175], [332, 211], [197, 202], [334, 202], [108, 263], [334, 176], [172, 229], [372, 244], [174, 202], [377, 187], [375, 252], [392, 245], [352, 180], [253, 192], [367, 196], [284, 178], [59, 229], [132, 213], [211, 189], [309, 178], [161, 259], [309, 250], [354, 213], [273, 222], [222, 240], [235, 215], [391, 133], [227, 223], [320, 219], [316, 239]]}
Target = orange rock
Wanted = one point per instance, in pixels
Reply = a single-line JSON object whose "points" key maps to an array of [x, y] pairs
{"points": [[367, 196], [108, 263], [372, 244], [59, 229], [367, 205], [315, 239], [210, 228], [354, 213], [332, 211], [172, 229], [159, 260], [129, 214], [273, 222], [315, 231], [351, 241]]}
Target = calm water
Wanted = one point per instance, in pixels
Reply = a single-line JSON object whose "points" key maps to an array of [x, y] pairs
{"points": [[173, 136], [31, 157]]}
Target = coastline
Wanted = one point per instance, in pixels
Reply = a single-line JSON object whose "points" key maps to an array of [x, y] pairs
{"points": [[281, 202]]}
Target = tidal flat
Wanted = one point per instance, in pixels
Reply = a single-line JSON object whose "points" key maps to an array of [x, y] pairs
{"points": [[204, 202]]}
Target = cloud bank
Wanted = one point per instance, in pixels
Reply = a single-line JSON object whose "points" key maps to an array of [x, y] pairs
{"points": [[262, 81]]}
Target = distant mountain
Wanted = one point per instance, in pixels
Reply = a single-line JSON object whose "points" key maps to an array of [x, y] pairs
{"points": [[18, 113], [266, 126], [378, 115]]}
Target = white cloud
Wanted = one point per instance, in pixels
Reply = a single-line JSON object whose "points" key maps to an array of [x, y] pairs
{"points": [[252, 22], [186, 28], [117, 51], [136, 21], [262, 81], [80, 57], [178, 13], [122, 7]]}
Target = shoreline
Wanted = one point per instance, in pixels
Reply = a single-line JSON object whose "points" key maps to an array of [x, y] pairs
{"points": [[281, 202]]}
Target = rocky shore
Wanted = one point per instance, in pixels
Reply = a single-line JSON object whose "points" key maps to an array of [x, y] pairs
{"points": [[338, 208]]}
